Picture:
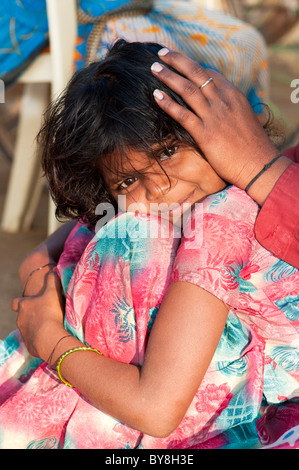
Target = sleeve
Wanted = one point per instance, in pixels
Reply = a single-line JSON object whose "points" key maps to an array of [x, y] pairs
{"points": [[215, 249], [277, 225], [293, 153]]}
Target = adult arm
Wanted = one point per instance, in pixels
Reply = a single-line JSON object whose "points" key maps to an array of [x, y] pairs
{"points": [[155, 397], [47, 252], [223, 124], [277, 225]]}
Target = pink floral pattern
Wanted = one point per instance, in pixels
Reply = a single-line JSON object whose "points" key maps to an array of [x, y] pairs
{"points": [[262, 290], [114, 287]]}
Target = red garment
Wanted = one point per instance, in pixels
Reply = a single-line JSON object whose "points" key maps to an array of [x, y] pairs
{"points": [[277, 225]]}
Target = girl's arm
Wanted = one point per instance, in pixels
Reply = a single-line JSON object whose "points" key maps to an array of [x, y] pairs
{"points": [[155, 397]]}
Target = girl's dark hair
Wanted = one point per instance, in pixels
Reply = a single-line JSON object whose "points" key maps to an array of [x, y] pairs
{"points": [[105, 108]]}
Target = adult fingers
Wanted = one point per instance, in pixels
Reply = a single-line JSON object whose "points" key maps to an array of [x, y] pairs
{"points": [[220, 81], [219, 88], [190, 121], [188, 90], [190, 69]]}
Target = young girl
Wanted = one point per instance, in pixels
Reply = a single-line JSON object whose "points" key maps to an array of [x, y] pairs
{"points": [[224, 340]]}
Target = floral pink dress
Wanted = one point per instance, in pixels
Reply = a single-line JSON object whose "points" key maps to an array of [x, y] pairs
{"points": [[114, 282]]}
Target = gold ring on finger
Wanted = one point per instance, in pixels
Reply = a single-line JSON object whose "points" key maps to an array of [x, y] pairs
{"points": [[206, 83]]}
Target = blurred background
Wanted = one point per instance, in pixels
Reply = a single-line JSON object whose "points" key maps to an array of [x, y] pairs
{"points": [[277, 20]]}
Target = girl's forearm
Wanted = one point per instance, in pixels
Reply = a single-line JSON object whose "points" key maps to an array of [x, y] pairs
{"points": [[155, 398], [118, 389]]}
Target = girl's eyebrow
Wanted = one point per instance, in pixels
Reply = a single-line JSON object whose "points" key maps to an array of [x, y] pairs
{"points": [[117, 178], [120, 176]]}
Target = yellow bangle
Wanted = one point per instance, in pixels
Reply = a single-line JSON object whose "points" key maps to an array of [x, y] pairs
{"points": [[67, 353]]}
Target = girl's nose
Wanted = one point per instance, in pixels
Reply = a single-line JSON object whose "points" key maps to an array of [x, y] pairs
{"points": [[156, 187]]}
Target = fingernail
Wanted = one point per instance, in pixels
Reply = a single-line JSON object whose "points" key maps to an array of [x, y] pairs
{"points": [[156, 67], [163, 51], [158, 94]]}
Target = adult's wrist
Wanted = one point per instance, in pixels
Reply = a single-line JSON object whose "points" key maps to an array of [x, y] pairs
{"points": [[262, 187], [36, 279], [250, 160], [33, 261]]}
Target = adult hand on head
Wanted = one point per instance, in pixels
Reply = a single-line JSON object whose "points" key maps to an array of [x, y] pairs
{"points": [[221, 122], [40, 317]]}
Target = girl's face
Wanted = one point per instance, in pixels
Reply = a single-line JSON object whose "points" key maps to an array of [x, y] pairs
{"points": [[168, 188]]}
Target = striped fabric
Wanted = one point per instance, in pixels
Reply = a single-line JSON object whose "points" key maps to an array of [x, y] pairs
{"points": [[212, 38]]}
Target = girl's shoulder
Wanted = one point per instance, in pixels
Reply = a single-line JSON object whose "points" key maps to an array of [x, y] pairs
{"points": [[218, 242], [227, 216], [231, 203], [221, 228]]}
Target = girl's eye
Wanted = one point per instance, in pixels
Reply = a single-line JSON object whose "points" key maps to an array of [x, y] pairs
{"points": [[126, 183], [168, 153]]}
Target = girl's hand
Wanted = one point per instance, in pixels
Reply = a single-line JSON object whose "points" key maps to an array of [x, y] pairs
{"points": [[222, 123], [40, 317]]}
